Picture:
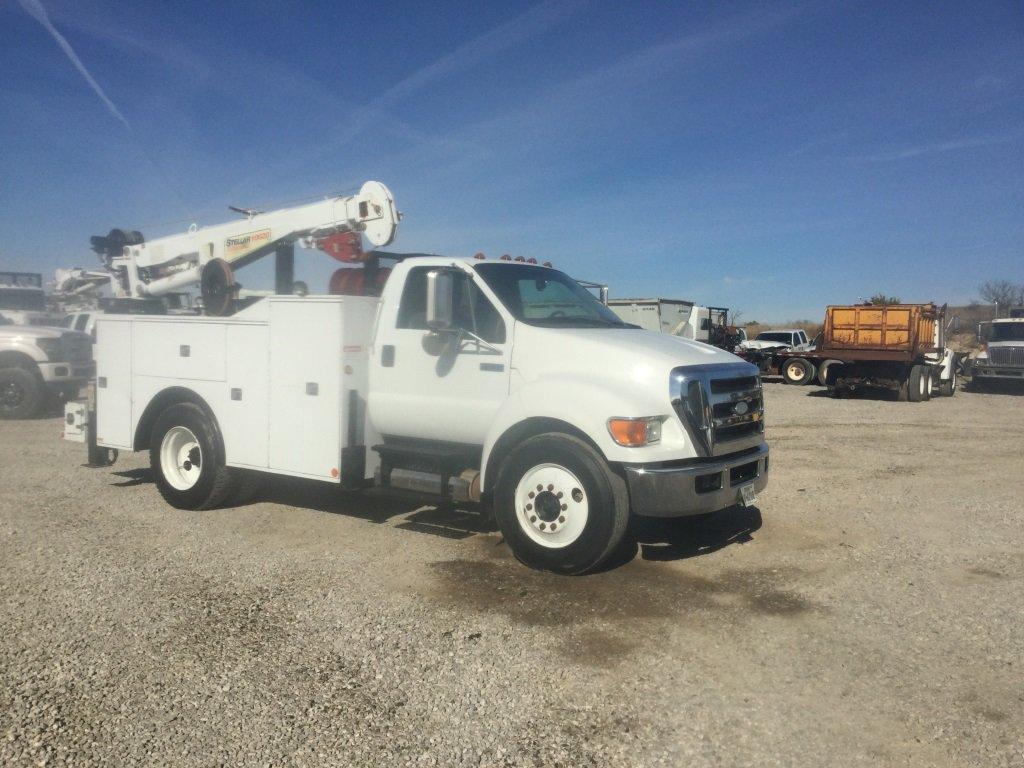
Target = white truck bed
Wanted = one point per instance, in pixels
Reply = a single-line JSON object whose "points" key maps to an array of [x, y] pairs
{"points": [[286, 379]]}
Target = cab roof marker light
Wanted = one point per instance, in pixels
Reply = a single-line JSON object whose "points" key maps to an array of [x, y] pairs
{"points": [[506, 257], [479, 255], [520, 258]]}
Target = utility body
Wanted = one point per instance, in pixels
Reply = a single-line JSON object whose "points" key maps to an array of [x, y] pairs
{"points": [[496, 383]]}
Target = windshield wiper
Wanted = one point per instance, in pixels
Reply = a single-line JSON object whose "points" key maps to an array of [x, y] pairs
{"points": [[593, 321]]}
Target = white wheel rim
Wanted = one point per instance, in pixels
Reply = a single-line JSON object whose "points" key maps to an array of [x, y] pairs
{"points": [[181, 458], [924, 384], [794, 372], [551, 506]]}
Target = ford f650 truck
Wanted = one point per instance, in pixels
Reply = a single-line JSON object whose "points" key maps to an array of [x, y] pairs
{"points": [[499, 383]]}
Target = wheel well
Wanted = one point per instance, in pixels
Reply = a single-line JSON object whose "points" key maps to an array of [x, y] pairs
{"points": [[12, 359], [164, 400], [524, 430]]}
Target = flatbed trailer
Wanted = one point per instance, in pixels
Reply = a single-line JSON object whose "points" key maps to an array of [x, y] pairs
{"points": [[898, 346]]}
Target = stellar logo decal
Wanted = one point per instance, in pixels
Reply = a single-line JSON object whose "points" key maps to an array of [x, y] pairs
{"points": [[243, 244]]}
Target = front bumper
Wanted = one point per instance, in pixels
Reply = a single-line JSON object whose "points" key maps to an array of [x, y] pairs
{"points": [[67, 373], [987, 371], [698, 488]]}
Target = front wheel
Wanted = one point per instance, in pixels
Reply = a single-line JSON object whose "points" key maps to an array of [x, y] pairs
{"points": [[559, 506], [919, 387], [22, 393], [947, 387], [187, 457]]}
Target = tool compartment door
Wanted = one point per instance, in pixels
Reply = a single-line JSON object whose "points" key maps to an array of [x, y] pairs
{"points": [[305, 370], [114, 383]]}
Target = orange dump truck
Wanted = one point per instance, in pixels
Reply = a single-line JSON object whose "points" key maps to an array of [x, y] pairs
{"points": [[899, 346]]}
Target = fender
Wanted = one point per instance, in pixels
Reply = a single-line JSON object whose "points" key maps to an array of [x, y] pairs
{"points": [[585, 406]]}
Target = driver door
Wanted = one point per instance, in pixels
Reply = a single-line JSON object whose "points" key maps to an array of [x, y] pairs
{"points": [[441, 386]]}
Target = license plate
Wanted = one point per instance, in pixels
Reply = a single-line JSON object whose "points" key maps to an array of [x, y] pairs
{"points": [[748, 494]]}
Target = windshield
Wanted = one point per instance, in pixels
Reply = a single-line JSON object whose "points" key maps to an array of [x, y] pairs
{"points": [[547, 297], [20, 298], [1007, 332], [783, 338]]}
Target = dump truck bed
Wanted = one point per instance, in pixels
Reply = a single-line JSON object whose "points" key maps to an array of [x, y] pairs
{"points": [[899, 332]]}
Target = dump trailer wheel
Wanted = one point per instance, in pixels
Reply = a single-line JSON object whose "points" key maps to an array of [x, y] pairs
{"points": [[917, 385], [559, 506], [798, 370], [947, 388], [825, 368], [187, 458], [22, 393]]}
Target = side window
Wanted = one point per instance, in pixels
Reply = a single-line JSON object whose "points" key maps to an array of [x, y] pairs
{"points": [[81, 322], [705, 324], [412, 311], [470, 308], [66, 322]]}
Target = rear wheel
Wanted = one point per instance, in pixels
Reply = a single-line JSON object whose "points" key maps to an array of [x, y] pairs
{"points": [[22, 393], [919, 384], [187, 457], [798, 371], [559, 505]]}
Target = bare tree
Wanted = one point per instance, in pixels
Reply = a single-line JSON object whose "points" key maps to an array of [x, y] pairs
{"points": [[1003, 294]]}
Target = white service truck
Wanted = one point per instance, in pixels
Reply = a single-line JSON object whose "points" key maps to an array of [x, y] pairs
{"points": [[499, 383]]}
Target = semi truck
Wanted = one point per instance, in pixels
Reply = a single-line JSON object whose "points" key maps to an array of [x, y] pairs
{"points": [[502, 384], [898, 346], [1002, 355]]}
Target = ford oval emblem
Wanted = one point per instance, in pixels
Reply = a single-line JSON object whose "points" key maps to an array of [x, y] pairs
{"points": [[741, 407]]}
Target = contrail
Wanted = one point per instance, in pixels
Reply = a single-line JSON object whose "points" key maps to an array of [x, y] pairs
{"points": [[35, 9]]}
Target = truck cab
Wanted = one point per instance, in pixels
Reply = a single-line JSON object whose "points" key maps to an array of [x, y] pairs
{"points": [[1002, 355]]}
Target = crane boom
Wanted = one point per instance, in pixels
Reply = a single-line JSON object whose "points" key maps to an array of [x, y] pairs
{"points": [[142, 269]]}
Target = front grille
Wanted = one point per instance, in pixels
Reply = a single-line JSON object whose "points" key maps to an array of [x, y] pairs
{"points": [[75, 348], [721, 406], [1006, 356]]}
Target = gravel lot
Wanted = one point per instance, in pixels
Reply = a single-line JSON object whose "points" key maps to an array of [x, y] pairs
{"points": [[868, 613]]}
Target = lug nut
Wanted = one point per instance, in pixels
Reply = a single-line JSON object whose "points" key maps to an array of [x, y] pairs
{"points": [[533, 518], [561, 518], [551, 487], [540, 488], [543, 526], [565, 507], [529, 507], [553, 526], [532, 494], [559, 495]]}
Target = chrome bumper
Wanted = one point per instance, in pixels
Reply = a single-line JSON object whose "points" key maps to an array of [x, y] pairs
{"points": [[698, 488], [985, 371]]}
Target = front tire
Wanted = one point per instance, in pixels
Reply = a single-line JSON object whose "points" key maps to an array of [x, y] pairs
{"points": [[22, 393], [947, 388], [919, 385], [187, 457], [559, 506]]}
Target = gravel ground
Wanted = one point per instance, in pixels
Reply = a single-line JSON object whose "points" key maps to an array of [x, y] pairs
{"points": [[866, 613]]}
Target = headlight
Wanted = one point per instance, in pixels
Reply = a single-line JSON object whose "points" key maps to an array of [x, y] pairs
{"points": [[52, 348], [634, 433]]}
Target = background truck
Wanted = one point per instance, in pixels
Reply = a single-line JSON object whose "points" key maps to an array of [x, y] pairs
{"points": [[23, 301], [899, 346], [677, 317], [1002, 354], [37, 362], [498, 383]]}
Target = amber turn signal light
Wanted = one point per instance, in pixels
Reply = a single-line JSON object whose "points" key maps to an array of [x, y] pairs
{"points": [[633, 433]]}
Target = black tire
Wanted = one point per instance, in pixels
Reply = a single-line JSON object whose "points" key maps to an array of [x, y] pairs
{"points": [[917, 385], [947, 388], [827, 372], [22, 393], [249, 486], [797, 370], [215, 482], [603, 491]]}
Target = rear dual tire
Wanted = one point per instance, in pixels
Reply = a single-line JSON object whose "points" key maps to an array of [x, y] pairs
{"points": [[559, 505], [919, 385]]}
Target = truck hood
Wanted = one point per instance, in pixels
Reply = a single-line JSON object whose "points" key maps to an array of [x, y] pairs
{"points": [[754, 344], [30, 333], [628, 353]]}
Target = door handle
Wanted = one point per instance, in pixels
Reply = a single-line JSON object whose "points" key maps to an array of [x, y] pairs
{"points": [[387, 355]]}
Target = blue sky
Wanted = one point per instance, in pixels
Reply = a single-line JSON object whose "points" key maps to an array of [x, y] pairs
{"points": [[771, 158]]}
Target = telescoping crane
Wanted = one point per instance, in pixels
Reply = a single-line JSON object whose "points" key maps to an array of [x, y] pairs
{"points": [[142, 270]]}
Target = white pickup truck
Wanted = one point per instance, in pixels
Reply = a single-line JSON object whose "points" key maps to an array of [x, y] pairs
{"points": [[500, 383], [38, 361]]}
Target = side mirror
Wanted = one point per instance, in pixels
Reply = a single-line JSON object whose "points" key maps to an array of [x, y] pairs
{"points": [[440, 289], [956, 323]]}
